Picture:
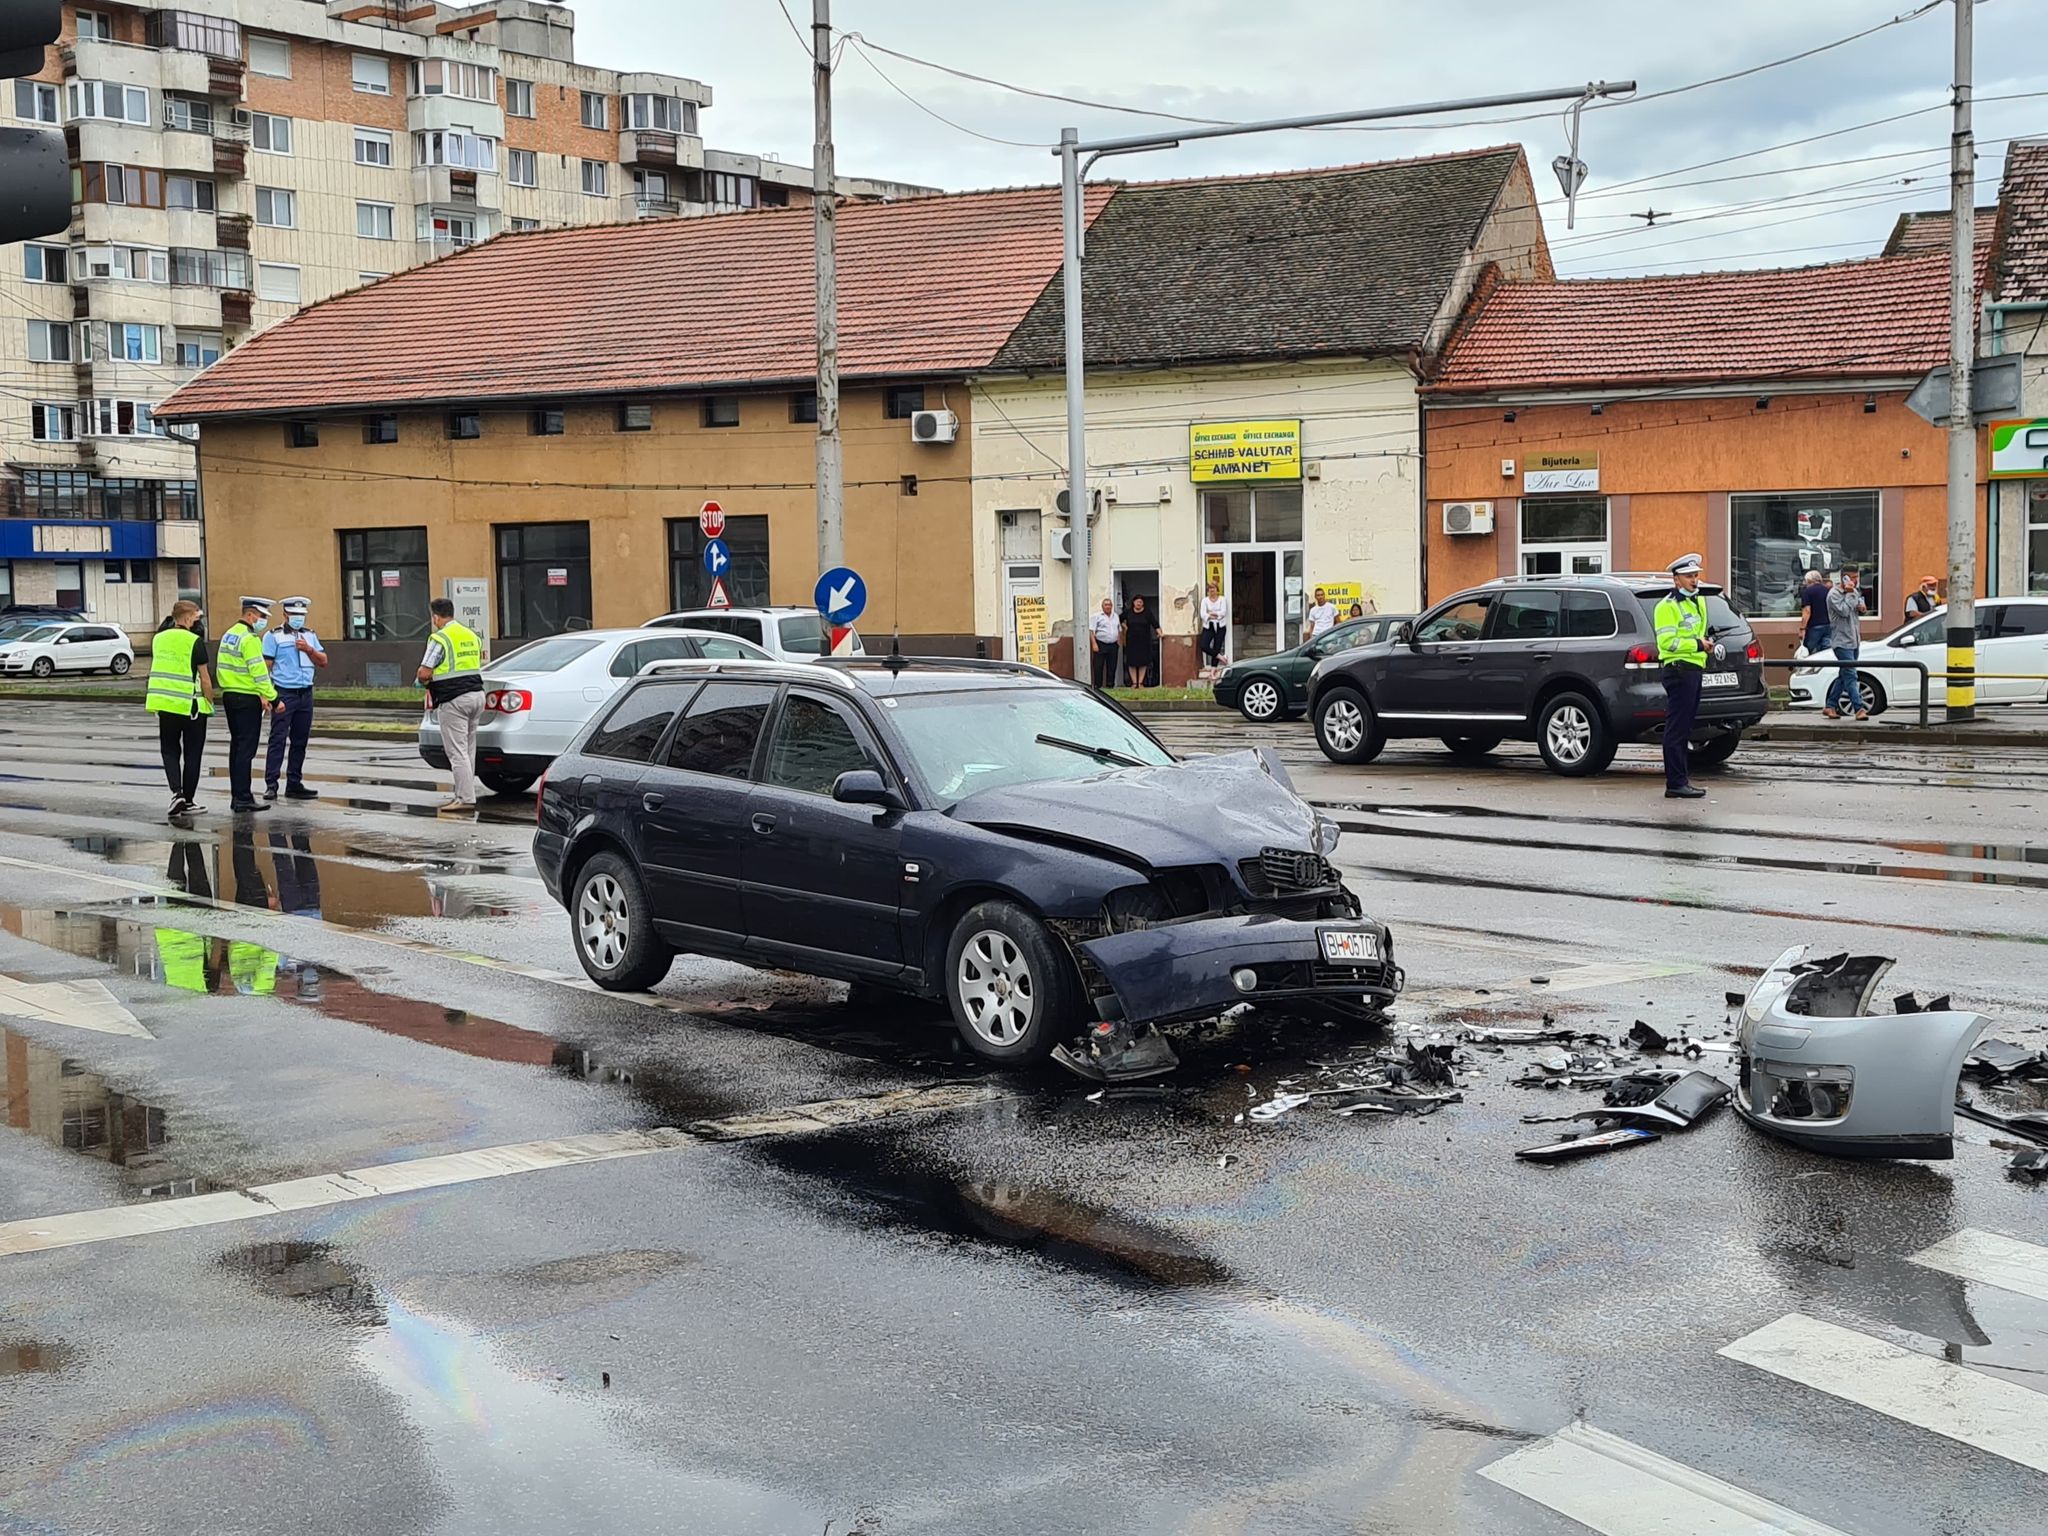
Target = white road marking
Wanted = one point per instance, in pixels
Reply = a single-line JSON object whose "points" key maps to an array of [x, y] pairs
{"points": [[2005, 1262], [40, 1233], [1983, 1412], [76, 1004], [1619, 1488]]}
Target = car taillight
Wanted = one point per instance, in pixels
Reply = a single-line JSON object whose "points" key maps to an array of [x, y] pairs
{"points": [[1642, 656], [1755, 651], [508, 701]]}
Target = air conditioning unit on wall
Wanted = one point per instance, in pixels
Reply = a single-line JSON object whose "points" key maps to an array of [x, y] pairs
{"points": [[1468, 517], [934, 426]]}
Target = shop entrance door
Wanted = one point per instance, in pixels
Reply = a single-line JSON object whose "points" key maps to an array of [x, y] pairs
{"points": [[1263, 590]]}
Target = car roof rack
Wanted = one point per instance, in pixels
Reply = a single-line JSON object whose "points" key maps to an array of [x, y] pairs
{"points": [[741, 667], [896, 662]]}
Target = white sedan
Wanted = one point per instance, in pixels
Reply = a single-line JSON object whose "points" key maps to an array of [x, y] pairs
{"points": [[52, 648], [2012, 637]]}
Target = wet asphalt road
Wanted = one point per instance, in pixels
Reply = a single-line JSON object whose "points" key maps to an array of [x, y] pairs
{"points": [[1007, 1308]]}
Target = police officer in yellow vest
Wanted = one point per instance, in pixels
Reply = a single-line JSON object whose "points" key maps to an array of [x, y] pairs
{"points": [[452, 671], [246, 695], [181, 698], [1683, 646]]}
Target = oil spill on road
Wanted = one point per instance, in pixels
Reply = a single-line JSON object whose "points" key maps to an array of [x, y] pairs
{"points": [[308, 1272], [25, 1357], [882, 1190]]}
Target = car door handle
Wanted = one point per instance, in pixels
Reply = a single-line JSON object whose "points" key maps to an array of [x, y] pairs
{"points": [[1540, 655], [651, 801], [1464, 661], [763, 822]]}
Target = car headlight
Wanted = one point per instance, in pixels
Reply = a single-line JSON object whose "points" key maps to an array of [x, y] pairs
{"points": [[1327, 833]]}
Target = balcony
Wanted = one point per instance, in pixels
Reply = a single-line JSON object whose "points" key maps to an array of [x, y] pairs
{"points": [[225, 78], [236, 307], [231, 231], [449, 186], [655, 146], [434, 248], [633, 206], [230, 151]]}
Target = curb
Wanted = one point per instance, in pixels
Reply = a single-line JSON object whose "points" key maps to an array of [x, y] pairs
{"points": [[136, 696], [1900, 735]]}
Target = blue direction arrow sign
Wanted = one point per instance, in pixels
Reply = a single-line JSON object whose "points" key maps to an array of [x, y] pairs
{"points": [[841, 595], [716, 556]]}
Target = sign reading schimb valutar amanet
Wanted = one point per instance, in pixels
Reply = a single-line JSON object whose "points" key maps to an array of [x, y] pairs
{"points": [[1244, 450]]}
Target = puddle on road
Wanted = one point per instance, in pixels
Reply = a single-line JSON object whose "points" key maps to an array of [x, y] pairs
{"points": [[45, 1094], [27, 1358], [308, 1272]]}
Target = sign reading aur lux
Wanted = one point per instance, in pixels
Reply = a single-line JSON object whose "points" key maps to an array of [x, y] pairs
{"points": [[1223, 451]]}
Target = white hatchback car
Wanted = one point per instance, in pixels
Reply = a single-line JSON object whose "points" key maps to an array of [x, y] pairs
{"points": [[52, 648], [2012, 637], [787, 634], [538, 697]]}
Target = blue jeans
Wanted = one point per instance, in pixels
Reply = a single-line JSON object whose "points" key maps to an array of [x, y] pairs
{"points": [[1843, 694]]}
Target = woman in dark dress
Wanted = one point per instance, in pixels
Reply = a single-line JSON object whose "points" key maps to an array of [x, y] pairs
{"points": [[1141, 645]]}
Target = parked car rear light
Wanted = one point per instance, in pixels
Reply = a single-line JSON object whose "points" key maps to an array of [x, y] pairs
{"points": [[1755, 651], [508, 701], [1642, 656]]}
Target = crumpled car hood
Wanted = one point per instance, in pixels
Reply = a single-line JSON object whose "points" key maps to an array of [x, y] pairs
{"points": [[1225, 807]]}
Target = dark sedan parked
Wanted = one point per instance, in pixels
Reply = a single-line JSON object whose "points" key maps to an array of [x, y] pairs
{"points": [[981, 832], [1276, 687]]}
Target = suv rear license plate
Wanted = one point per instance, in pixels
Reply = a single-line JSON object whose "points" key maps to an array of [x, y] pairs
{"points": [[1724, 679], [1352, 946]]}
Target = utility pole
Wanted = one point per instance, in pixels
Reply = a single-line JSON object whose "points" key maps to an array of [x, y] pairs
{"points": [[824, 211], [1073, 174], [1962, 419]]}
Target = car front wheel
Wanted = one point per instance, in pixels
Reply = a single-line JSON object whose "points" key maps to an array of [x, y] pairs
{"points": [[1871, 694], [43, 666], [1014, 993], [614, 931], [1572, 736], [1260, 700], [1346, 729]]}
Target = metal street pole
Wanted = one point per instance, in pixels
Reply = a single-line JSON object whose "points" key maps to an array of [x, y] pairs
{"points": [[824, 179], [1072, 206], [1962, 420]]}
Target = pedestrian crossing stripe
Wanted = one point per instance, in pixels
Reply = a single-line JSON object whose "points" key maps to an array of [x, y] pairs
{"points": [[2005, 1262]]}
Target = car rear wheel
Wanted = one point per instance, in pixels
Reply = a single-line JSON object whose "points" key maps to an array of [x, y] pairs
{"points": [[507, 783], [1871, 693], [1346, 729], [43, 666], [1261, 700], [1572, 736], [1471, 746], [1715, 750], [614, 931], [1014, 992], [121, 665]]}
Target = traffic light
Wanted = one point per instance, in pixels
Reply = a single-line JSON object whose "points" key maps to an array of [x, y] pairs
{"points": [[35, 171]]}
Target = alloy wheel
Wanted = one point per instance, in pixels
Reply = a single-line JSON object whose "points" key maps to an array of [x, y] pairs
{"points": [[1344, 726], [601, 922], [997, 990], [1569, 734], [1261, 699]]}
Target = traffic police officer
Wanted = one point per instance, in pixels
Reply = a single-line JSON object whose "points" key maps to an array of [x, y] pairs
{"points": [[1683, 645], [292, 654], [246, 693], [181, 698], [452, 673]]}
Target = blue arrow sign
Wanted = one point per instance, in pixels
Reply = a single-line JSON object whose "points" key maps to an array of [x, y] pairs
{"points": [[841, 595], [716, 557]]}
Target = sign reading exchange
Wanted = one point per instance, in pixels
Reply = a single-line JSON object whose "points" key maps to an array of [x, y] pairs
{"points": [[1223, 451]]}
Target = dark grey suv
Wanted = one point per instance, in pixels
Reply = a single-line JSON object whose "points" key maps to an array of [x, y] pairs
{"points": [[1569, 663]]}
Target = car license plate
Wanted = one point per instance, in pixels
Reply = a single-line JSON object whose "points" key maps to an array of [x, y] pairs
{"points": [[1350, 946], [1723, 679]]}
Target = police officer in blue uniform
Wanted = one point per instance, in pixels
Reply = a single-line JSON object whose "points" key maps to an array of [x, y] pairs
{"points": [[294, 655]]}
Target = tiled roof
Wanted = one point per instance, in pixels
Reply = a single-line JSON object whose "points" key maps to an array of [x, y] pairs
{"points": [[1917, 233], [926, 286], [2021, 266], [1885, 316], [1349, 262]]}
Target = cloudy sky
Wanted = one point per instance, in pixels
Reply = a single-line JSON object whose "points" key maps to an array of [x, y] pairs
{"points": [[1245, 61]]}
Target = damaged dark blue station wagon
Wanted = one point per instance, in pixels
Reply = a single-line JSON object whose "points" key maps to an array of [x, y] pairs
{"points": [[978, 832]]}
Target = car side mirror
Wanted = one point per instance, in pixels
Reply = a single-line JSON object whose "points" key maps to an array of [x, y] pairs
{"points": [[1406, 634], [864, 786], [1901, 642]]}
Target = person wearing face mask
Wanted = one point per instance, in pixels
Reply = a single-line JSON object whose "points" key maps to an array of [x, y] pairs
{"points": [[293, 654], [1684, 642], [246, 695]]}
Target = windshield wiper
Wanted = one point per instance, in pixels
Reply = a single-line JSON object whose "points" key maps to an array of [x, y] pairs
{"points": [[1100, 754]]}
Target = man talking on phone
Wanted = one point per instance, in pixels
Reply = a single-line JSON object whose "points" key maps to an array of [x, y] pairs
{"points": [[1683, 646]]}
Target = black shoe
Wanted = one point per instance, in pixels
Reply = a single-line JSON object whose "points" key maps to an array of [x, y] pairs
{"points": [[1685, 792], [1116, 1053], [180, 806], [247, 805], [270, 791], [300, 792]]}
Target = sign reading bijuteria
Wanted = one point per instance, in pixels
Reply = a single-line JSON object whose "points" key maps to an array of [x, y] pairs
{"points": [[1223, 451]]}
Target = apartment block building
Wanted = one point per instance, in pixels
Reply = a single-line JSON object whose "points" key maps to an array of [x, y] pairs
{"points": [[235, 160]]}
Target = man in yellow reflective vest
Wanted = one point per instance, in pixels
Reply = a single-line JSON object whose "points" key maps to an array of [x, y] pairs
{"points": [[1683, 645], [246, 695], [181, 698], [452, 672]]}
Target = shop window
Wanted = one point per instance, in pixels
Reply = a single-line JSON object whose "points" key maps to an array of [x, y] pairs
{"points": [[746, 579], [384, 583], [1271, 515], [1564, 535], [2037, 535], [1774, 539], [543, 578]]}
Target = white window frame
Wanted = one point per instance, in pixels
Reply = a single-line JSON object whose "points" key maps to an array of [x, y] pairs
{"points": [[53, 422], [515, 92], [264, 268], [390, 213], [95, 27], [41, 94], [375, 139], [513, 159], [269, 198], [178, 115], [602, 178], [149, 342], [108, 101], [453, 77], [1572, 555], [371, 277], [373, 82], [448, 236], [259, 39], [603, 113], [456, 147], [268, 122], [103, 418], [643, 112], [43, 256], [41, 333], [521, 226], [652, 186], [202, 341]]}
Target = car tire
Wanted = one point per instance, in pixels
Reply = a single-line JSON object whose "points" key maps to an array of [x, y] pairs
{"points": [[42, 666], [121, 665], [1870, 693], [1262, 700], [1014, 992], [1471, 747], [1346, 728], [613, 929], [1573, 736], [507, 783], [1715, 750]]}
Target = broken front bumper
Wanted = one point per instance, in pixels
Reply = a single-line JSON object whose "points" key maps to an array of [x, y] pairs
{"points": [[1820, 1070], [1194, 969]]}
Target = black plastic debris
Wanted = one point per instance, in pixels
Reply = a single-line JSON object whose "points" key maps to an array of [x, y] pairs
{"points": [[1374, 1102], [1994, 1059], [1588, 1146], [1735, 999], [2034, 1127], [1679, 1107], [1644, 1038], [1429, 1064], [1634, 1088], [2029, 1165]]}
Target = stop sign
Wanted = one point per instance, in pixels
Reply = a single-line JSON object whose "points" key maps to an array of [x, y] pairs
{"points": [[712, 517]]}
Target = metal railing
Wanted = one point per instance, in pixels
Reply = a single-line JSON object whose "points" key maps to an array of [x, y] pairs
{"points": [[1835, 664]]}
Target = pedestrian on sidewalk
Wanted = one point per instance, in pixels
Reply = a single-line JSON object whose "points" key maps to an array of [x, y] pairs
{"points": [[1103, 634], [1683, 644], [452, 673], [1141, 644], [1924, 601], [1845, 615], [246, 695], [1322, 617], [292, 654], [1813, 603], [1215, 619], [181, 698]]}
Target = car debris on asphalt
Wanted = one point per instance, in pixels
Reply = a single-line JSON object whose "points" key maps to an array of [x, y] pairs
{"points": [[1588, 1146]]}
